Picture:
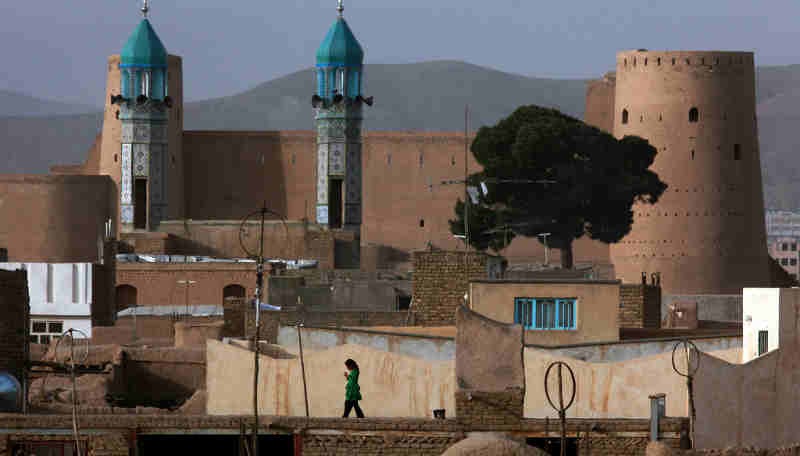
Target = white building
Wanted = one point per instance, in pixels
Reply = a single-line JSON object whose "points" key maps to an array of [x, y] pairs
{"points": [[760, 328], [60, 298]]}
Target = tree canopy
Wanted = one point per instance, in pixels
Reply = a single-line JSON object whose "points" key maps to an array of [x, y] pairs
{"points": [[548, 172]]}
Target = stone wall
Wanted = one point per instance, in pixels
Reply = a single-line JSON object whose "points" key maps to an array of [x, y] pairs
{"points": [[639, 306], [440, 283], [15, 309]]}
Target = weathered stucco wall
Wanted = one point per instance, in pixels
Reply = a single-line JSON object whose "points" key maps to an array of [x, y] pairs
{"points": [[709, 307], [625, 351], [488, 353], [429, 348], [610, 390], [392, 385], [597, 304], [753, 404]]}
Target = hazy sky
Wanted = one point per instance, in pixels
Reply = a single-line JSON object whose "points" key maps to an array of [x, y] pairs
{"points": [[57, 49]]}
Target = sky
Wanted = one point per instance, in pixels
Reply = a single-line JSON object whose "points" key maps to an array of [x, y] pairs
{"points": [[57, 49]]}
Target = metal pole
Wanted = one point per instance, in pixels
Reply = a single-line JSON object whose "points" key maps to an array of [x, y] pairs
{"points": [[466, 199], [562, 413], [302, 367], [689, 388], [256, 336]]}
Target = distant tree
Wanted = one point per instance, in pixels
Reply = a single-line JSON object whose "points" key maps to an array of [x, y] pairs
{"points": [[595, 178]]}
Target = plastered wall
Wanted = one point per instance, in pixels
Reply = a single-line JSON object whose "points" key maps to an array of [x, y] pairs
{"points": [[611, 390], [753, 404], [392, 385]]}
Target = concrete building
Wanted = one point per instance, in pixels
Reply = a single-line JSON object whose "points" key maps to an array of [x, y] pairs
{"points": [[784, 250], [552, 312], [762, 313], [60, 298]]}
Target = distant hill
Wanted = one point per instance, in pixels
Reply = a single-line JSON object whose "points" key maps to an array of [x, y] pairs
{"points": [[19, 104], [421, 96]]}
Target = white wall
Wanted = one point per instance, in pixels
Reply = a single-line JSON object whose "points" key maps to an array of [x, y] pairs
{"points": [[760, 312], [70, 299]]}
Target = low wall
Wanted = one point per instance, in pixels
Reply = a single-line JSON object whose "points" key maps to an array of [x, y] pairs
{"points": [[195, 334], [392, 385], [272, 320], [625, 351], [709, 307], [611, 389], [153, 375], [429, 348]]}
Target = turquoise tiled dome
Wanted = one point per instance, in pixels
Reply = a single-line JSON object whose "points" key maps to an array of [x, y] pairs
{"points": [[144, 48], [340, 46]]}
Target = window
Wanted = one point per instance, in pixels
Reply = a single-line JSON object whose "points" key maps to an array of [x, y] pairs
{"points": [[60, 448], [233, 291], [794, 246], [785, 261], [422, 223], [793, 262], [694, 115], [42, 332], [763, 342], [692, 155], [422, 159], [545, 313], [340, 81], [785, 246], [737, 151], [146, 83], [624, 116]]}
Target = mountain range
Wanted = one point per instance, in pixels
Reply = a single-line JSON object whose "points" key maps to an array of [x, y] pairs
{"points": [[430, 96]]}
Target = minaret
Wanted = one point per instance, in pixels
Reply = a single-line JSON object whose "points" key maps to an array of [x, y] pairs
{"points": [[337, 110], [143, 112]]}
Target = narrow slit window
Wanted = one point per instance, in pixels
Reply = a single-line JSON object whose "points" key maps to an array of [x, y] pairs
{"points": [[76, 284], [624, 116], [763, 342], [50, 283], [694, 115], [737, 151]]}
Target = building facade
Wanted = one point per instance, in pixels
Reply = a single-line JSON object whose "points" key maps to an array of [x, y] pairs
{"points": [[61, 297]]}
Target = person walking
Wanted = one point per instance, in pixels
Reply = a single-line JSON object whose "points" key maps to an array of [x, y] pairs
{"points": [[352, 392]]}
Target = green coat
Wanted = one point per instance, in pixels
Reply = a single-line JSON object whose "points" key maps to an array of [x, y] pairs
{"points": [[352, 392]]}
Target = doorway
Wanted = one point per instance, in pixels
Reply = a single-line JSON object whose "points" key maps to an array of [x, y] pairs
{"points": [[552, 445], [140, 204], [275, 444], [335, 208]]}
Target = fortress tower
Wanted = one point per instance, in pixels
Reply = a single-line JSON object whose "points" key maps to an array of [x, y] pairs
{"points": [[706, 235], [337, 111], [142, 134]]}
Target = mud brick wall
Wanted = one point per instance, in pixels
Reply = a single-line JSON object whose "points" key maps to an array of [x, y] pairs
{"points": [[440, 282], [271, 320], [234, 315], [371, 444], [640, 306], [15, 311], [477, 408]]}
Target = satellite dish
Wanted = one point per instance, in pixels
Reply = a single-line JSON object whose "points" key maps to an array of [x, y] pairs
{"points": [[10, 394]]}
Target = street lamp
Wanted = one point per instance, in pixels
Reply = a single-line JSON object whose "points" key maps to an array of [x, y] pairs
{"points": [[188, 283]]}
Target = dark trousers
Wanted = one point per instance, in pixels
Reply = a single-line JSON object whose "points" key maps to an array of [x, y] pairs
{"points": [[349, 405]]}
